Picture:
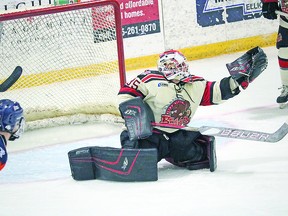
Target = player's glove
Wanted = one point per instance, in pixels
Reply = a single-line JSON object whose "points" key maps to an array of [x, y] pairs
{"points": [[248, 66], [268, 10]]}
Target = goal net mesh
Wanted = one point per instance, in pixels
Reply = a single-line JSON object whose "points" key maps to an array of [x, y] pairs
{"points": [[70, 60]]}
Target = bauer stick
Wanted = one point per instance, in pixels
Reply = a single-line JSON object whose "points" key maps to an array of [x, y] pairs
{"points": [[235, 133], [11, 79]]}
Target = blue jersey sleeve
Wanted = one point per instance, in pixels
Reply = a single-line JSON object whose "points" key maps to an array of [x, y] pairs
{"points": [[3, 152]]}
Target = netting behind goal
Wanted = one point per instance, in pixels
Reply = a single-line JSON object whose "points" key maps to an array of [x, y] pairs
{"points": [[72, 59]]}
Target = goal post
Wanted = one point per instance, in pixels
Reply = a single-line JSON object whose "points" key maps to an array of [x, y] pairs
{"points": [[72, 58]]}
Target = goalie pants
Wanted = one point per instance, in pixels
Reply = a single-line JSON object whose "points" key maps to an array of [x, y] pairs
{"points": [[180, 147]]}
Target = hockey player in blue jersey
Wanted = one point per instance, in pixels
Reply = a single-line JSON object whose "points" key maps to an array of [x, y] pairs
{"points": [[11, 126]]}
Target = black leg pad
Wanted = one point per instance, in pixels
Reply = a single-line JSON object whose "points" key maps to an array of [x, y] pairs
{"points": [[114, 164]]}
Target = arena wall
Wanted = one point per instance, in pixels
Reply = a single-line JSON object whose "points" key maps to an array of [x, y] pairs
{"points": [[199, 28]]}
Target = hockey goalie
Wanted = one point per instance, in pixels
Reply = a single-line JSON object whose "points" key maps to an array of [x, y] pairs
{"points": [[168, 96]]}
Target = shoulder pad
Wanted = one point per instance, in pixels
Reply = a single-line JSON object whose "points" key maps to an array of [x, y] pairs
{"points": [[197, 78], [192, 78], [149, 75]]}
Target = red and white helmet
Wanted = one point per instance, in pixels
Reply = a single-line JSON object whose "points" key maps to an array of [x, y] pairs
{"points": [[173, 65]]}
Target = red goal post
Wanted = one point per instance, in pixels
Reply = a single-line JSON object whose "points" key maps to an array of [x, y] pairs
{"points": [[72, 58]]}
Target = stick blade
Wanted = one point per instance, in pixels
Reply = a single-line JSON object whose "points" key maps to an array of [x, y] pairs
{"points": [[11, 79], [279, 134]]}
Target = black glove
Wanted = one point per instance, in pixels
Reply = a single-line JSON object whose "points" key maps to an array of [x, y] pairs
{"points": [[268, 10], [248, 67], [138, 117]]}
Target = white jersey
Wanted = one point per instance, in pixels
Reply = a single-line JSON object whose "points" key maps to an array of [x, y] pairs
{"points": [[176, 104]]}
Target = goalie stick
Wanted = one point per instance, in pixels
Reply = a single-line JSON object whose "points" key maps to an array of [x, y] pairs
{"points": [[11, 79], [235, 133]]}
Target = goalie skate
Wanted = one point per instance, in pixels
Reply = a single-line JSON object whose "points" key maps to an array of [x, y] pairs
{"points": [[283, 98]]}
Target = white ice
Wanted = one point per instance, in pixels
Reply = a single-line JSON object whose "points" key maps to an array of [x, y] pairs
{"points": [[251, 179]]}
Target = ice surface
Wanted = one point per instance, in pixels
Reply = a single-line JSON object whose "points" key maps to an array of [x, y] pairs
{"points": [[251, 179]]}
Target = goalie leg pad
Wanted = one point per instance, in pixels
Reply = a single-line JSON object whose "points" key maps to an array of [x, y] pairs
{"points": [[184, 147], [197, 151], [138, 117], [81, 164], [114, 164], [211, 161]]}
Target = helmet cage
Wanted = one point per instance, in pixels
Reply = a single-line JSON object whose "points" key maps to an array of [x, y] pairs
{"points": [[18, 129], [173, 65]]}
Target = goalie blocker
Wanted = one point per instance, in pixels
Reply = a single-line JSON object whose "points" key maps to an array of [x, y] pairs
{"points": [[138, 117], [113, 164]]}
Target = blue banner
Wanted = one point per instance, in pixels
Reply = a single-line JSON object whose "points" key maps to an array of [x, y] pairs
{"points": [[218, 12]]}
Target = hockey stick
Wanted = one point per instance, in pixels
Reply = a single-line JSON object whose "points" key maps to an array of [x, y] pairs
{"points": [[281, 13], [235, 133], [11, 79]]}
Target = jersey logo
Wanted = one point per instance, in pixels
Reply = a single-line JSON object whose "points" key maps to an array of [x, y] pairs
{"points": [[2, 152], [162, 84], [177, 112], [16, 107]]}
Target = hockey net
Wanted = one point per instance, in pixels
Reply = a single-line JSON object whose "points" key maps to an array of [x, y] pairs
{"points": [[72, 58]]}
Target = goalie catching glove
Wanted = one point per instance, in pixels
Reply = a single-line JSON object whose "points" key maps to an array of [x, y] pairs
{"points": [[248, 66]]}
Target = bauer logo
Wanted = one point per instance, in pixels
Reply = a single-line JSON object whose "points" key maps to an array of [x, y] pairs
{"points": [[218, 12]]}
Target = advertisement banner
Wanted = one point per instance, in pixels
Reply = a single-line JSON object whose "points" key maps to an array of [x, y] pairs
{"points": [[139, 17], [63, 2], [218, 12], [6, 5]]}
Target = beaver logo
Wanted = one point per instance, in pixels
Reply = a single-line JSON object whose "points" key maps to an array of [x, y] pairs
{"points": [[178, 113]]}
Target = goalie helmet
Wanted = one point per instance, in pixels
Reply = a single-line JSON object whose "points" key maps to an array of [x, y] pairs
{"points": [[11, 118], [173, 65]]}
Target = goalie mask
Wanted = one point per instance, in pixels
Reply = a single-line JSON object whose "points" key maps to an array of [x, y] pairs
{"points": [[173, 65], [11, 118]]}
